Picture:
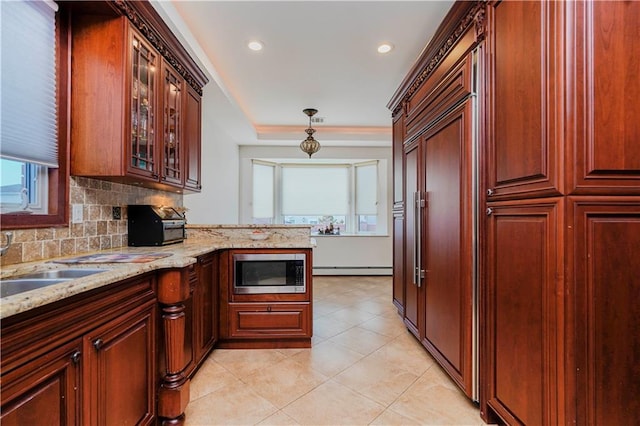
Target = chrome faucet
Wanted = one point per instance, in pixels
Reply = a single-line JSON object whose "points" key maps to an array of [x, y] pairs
{"points": [[4, 249]]}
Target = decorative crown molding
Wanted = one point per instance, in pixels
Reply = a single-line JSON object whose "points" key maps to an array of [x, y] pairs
{"points": [[475, 15], [156, 41]]}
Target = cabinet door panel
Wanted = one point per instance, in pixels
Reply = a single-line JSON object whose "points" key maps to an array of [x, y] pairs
{"points": [[607, 318], [447, 244], [261, 320], [398, 158], [121, 364], [605, 136], [523, 273], [172, 143], [398, 261], [524, 99], [411, 290], [192, 140], [143, 157], [44, 390]]}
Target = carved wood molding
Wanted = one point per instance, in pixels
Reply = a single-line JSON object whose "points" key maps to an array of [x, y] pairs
{"points": [[474, 16], [157, 42]]}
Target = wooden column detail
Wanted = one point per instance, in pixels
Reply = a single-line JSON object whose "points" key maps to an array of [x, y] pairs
{"points": [[173, 396]]}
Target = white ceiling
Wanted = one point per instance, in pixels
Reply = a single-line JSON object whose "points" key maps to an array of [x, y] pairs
{"points": [[317, 54]]}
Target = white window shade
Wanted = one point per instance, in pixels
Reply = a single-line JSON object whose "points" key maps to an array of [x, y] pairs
{"points": [[315, 190], [263, 186], [28, 109], [367, 188]]}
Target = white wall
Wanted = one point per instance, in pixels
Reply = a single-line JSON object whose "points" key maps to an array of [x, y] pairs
{"points": [[334, 255], [218, 201]]}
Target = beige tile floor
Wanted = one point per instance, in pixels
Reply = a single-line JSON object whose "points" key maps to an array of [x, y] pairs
{"points": [[364, 368]]}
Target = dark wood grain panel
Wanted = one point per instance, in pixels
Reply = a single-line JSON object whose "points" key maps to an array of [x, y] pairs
{"points": [[47, 389], [398, 264], [192, 138], [448, 239], [607, 312], [269, 321], [524, 271], [524, 102], [606, 97], [412, 301]]}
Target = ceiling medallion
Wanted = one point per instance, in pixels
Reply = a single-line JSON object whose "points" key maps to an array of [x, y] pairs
{"points": [[310, 145]]}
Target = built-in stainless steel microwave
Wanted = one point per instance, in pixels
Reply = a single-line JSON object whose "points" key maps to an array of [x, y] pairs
{"points": [[269, 273]]}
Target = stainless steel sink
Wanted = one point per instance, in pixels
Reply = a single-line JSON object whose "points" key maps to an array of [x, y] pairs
{"points": [[35, 280]]}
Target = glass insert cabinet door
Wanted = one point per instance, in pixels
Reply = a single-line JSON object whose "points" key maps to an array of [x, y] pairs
{"points": [[172, 126], [143, 101]]}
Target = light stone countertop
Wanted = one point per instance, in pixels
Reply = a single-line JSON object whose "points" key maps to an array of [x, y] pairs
{"points": [[201, 239]]}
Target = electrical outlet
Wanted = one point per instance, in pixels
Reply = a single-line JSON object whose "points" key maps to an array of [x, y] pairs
{"points": [[116, 212], [76, 213]]}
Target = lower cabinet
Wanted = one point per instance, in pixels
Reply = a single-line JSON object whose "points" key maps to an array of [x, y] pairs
{"points": [[269, 320], [205, 303], [46, 388], [119, 386], [89, 359], [264, 318], [523, 338]]}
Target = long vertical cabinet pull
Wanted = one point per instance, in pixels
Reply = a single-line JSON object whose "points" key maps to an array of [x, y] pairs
{"points": [[418, 273]]}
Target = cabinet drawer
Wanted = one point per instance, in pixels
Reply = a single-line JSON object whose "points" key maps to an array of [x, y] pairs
{"points": [[269, 320]]}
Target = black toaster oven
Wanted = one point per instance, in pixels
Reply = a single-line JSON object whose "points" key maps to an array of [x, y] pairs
{"points": [[154, 225]]}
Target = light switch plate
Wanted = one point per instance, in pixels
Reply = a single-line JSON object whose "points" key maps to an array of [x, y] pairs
{"points": [[76, 213]]}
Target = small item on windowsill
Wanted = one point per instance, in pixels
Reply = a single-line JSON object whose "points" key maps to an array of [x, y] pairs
{"points": [[259, 235]]}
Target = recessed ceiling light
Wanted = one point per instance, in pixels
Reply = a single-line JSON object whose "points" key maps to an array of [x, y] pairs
{"points": [[385, 48], [255, 45]]}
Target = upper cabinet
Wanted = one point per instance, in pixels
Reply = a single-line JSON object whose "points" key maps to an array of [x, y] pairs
{"points": [[603, 152], [136, 99], [524, 99]]}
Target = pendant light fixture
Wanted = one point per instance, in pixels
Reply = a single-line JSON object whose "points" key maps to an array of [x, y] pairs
{"points": [[310, 145]]}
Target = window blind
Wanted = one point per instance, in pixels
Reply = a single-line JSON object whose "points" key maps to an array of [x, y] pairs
{"points": [[263, 190], [315, 190], [366, 188], [28, 82]]}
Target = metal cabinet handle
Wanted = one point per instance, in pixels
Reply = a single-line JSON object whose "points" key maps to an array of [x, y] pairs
{"points": [[98, 344], [418, 273], [75, 357], [489, 192], [489, 211]]}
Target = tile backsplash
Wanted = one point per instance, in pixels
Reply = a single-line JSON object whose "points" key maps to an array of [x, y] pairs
{"points": [[98, 230]]}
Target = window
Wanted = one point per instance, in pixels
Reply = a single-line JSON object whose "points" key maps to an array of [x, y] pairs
{"points": [[333, 198], [263, 194], [34, 87]]}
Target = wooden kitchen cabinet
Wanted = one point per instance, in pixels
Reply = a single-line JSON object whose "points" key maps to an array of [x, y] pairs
{"points": [[413, 298], [269, 320], [88, 359], [119, 370], [437, 252], [172, 125], [205, 299], [135, 107], [47, 388], [604, 319], [603, 131], [265, 319], [555, 168], [192, 139], [398, 211], [524, 279], [524, 98]]}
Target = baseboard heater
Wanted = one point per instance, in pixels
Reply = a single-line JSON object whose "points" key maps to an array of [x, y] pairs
{"points": [[352, 270]]}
